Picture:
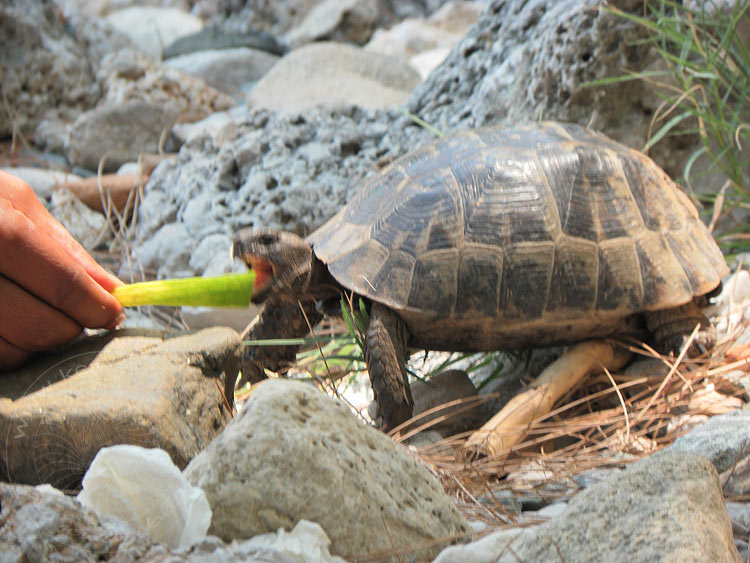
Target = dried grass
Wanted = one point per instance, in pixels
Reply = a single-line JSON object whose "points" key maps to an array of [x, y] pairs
{"points": [[608, 421]]}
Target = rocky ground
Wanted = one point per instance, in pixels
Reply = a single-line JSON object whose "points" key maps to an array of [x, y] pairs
{"points": [[207, 116]]}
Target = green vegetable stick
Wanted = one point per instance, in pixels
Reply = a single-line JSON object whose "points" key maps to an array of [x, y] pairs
{"points": [[231, 290]]}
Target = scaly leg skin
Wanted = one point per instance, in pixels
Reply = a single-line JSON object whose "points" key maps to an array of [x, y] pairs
{"points": [[385, 354], [280, 318], [671, 329]]}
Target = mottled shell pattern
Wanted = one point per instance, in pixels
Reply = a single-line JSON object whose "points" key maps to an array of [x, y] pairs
{"points": [[517, 237]]}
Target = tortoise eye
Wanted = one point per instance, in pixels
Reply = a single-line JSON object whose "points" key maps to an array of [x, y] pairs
{"points": [[266, 240]]}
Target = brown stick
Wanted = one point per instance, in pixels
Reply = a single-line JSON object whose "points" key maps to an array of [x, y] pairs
{"points": [[509, 426], [117, 187]]}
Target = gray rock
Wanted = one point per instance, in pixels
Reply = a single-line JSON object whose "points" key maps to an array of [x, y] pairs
{"points": [[279, 18], [293, 453], [739, 514], [492, 70], [332, 74], [270, 16], [136, 387], [212, 38], [443, 388], [437, 34], [130, 75], [228, 70], [291, 172], [724, 439], [204, 317], [219, 126], [667, 507], [151, 28], [530, 60], [87, 226], [45, 72], [49, 63], [118, 131], [213, 255], [45, 525], [169, 254], [345, 21]]}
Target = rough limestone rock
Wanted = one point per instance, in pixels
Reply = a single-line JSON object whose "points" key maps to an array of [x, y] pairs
{"points": [[125, 387], [87, 226], [42, 524], [724, 439], [331, 74], [528, 60], [283, 171], [532, 56], [667, 507], [293, 453]]}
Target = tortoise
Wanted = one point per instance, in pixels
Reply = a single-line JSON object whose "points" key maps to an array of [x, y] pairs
{"points": [[491, 239]]}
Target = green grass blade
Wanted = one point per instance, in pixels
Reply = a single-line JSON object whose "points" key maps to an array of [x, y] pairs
{"points": [[624, 78], [666, 128], [422, 123]]}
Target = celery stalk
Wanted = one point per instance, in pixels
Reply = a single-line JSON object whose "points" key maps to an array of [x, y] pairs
{"points": [[230, 290]]}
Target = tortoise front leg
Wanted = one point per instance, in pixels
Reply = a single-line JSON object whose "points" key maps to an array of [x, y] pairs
{"points": [[385, 354], [280, 318]]}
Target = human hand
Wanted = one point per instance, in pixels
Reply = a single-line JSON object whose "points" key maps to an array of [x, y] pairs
{"points": [[50, 287]]}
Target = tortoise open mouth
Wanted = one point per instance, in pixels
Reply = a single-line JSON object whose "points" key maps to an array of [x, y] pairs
{"points": [[264, 274]]}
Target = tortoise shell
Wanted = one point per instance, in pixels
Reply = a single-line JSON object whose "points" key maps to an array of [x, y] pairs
{"points": [[502, 238]]}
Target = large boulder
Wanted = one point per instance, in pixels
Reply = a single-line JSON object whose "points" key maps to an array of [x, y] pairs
{"points": [[667, 507], [295, 454], [527, 60], [149, 389]]}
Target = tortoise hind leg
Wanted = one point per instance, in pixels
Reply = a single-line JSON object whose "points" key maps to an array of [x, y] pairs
{"points": [[280, 318], [385, 354], [672, 327]]}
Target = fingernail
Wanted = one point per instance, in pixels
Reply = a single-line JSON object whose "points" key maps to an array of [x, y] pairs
{"points": [[117, 322]]}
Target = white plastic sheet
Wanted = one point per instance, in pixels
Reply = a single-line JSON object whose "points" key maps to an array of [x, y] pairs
{"points": [[144, 488]]}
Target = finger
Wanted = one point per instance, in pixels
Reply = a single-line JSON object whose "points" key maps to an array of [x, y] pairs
{"points": [[30, 324], [11, 356], [22, 197], [35, 262]]}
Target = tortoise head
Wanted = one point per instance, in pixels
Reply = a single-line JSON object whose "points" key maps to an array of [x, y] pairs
{"points": [[283, 262]]}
